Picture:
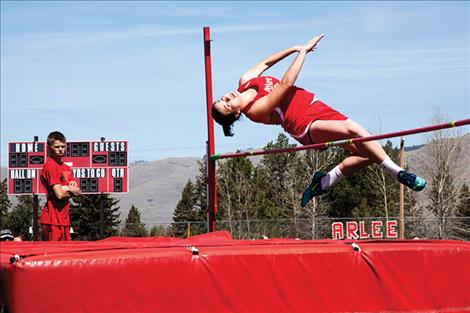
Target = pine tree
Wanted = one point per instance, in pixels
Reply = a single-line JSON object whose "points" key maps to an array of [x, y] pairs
{"points": [[277, 169], [282, 186], [264, 206], [199, 225], [192, 208], [348, 197], [20, 219], [184, 211], [5, 203], [85, 216], [133, 226]]}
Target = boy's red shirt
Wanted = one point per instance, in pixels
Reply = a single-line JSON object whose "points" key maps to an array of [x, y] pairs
{"points": [[55, 211]]}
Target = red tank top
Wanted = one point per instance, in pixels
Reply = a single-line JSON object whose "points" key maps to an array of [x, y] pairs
{"points": [[298, 108], [263, 85]]}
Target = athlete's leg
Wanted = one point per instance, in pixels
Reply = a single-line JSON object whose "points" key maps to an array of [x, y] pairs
{"points": [[354, 162], [364, 153], [56, 233], [66, 233], [336, 130], [347, 167], [46, 232], [322, 131]]}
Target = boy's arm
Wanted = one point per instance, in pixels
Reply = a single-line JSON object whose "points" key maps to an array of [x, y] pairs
{"points": [[73, 188], [60, 192], [51, 181]]}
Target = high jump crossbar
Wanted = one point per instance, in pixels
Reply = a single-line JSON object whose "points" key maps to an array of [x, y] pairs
{"points": [[328, 144]]}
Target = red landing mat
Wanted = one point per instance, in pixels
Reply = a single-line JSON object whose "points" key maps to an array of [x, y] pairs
{"points": [[214, 273]]}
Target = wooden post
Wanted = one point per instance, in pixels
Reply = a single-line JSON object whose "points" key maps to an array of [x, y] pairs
{"points": [[402, 190]]}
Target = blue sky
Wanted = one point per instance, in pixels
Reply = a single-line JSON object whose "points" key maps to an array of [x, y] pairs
{"points": [[135, 71]]}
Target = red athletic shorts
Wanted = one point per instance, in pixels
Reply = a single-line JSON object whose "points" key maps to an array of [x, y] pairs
{"points": [[55, 233], [317, 111]]}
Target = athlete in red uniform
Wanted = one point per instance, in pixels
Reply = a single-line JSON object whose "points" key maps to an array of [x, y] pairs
{"points": [[266, 100], [296, 111], [57, 178]]}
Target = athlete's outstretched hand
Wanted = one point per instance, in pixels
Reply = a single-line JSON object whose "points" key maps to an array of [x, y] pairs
{"points": [[312, 43]]}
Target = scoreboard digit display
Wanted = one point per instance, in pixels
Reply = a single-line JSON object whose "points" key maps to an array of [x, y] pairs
{"points": [[98, 166]]}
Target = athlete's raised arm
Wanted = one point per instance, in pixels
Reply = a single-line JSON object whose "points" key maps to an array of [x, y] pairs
{"points": [[266, 63], [261, 109]]}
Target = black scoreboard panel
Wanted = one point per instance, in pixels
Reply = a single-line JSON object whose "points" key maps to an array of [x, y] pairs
{"points": [[98, 166], [117, 159], [18, 160], [26, 154], [78, 149]]}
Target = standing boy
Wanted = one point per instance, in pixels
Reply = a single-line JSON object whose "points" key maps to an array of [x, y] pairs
{"points": [[57, 178]]}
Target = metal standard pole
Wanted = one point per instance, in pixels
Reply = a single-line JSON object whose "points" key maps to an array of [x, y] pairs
{"points": [[210, 163], [35, 208], [402, 190], [35, 216], [103, 139], [102, 216]]}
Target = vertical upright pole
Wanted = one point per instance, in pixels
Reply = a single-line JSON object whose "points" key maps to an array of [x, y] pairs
{"points": [[103, 139], [102, 216], [210, 164], [35, 208], [35, 216], [402, 191]]}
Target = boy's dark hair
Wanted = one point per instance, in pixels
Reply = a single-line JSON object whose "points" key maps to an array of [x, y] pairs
{"points": [[225, 120], [55, 135]]}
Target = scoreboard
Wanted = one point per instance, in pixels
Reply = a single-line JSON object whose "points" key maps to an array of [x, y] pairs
{"points": [[98, 166]]}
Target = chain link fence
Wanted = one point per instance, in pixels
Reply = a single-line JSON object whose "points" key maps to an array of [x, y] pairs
{"points": [[324, 228]]}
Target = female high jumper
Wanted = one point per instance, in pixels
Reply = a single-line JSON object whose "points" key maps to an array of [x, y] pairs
{"points": [[265, 99]]}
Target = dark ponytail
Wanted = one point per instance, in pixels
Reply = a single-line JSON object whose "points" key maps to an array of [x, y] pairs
{"points": [[226, 121]]}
